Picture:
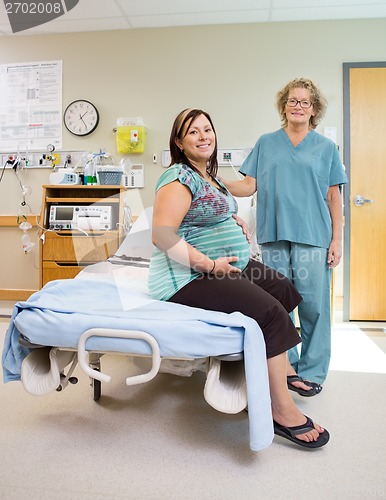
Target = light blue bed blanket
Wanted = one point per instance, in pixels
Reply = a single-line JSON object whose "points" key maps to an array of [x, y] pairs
{"points": [[59, 313]]}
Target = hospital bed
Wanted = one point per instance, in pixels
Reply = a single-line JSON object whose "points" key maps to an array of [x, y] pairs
{"points": [[107, 309]]}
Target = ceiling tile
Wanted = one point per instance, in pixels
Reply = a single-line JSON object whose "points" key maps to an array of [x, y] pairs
{"points": [[199, 19], [157, 7], [327, 13], [78, 26]]}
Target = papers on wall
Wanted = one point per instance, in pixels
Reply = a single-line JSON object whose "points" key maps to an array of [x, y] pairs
{"points": [[30, 106]]}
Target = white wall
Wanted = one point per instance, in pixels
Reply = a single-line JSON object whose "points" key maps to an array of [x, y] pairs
{"points": [[233, 72]]}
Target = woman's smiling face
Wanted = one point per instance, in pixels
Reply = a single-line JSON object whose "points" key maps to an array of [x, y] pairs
{"points": [[298, 114], [198, 140]]}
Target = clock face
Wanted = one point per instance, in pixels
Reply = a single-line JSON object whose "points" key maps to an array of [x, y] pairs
{"points": [[81, 117]]}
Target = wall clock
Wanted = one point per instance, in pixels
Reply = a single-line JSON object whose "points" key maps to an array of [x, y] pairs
{"points": [[81, 117]]}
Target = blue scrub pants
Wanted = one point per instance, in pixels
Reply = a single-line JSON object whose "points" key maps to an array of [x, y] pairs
{"points": [[306, 266]]}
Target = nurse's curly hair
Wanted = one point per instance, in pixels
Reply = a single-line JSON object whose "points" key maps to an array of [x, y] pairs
{"points": [[179, 129], [318, 100]]}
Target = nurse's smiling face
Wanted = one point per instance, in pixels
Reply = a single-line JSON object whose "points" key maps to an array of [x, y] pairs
{"points": [[299, 109]]}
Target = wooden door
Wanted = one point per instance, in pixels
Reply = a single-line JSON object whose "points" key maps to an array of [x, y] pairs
{"points": [[365, 196]]}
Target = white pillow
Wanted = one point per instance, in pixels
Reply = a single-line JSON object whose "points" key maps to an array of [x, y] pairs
{"points": [[138, 242]]}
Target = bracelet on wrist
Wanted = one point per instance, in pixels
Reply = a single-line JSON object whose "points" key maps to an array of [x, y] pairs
{"points": [[214, 265]]}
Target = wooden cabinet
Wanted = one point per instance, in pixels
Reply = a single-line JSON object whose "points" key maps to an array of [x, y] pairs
{"points": [[64, 253]]}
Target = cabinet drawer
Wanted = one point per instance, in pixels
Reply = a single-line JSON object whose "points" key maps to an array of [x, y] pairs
{"points": [[79, 248], [53, 271]]}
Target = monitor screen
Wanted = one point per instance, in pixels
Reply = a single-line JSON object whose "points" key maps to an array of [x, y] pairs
{"points": [[64, 213]]}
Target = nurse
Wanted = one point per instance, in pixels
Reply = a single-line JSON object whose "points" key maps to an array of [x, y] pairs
{"points": [[297, 174]]}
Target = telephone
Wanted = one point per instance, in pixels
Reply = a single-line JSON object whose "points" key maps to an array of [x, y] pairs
{"points": [[135, 177]]}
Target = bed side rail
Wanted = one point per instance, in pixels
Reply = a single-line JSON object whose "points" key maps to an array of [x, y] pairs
{"points": [[83, 355]]}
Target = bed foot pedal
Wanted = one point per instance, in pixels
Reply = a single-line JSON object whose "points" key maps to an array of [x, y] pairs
{"points": [[42, 370], [225, 387]]}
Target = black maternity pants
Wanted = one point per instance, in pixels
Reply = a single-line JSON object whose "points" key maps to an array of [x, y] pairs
{"points": [[259, 292]]}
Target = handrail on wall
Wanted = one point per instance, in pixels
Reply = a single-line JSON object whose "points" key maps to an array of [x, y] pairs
{"points": [[11, 220]]}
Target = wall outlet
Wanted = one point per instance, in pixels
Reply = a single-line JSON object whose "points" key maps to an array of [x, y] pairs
{"points": [[40, 159], [229, 157]]}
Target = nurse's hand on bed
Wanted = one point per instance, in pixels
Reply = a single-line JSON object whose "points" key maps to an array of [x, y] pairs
{"points": [[241, 222], [223, 265]]}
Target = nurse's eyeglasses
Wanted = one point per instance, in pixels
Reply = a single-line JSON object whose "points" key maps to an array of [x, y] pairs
{"points": [[292, 103]]}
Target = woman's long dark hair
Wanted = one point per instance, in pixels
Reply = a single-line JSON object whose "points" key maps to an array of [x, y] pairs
{"points": [[187, 116]]}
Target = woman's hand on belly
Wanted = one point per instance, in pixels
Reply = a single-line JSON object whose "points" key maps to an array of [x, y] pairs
{"points": [[223, 266]]}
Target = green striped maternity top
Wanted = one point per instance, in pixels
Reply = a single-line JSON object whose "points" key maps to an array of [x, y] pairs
{"points": [[208, 226]]}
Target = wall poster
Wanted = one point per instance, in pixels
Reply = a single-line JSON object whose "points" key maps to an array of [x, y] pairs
{"points": [[30, 106]]}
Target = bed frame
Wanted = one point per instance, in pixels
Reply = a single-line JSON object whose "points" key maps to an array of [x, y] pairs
{"points": [[90, 361]]}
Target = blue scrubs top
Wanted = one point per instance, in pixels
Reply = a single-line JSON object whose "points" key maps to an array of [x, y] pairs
{"points": [[292, 185]]}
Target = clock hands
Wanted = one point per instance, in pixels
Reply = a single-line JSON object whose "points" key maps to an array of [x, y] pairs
{"points": [[81, 118]]}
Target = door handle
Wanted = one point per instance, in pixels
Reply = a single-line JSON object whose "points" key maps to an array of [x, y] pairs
{"points": [[359, 200]]}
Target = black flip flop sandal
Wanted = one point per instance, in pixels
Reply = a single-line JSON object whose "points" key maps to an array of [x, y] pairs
{"points": [[314, 387], [290, 433], [318, 388]]}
